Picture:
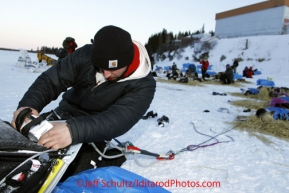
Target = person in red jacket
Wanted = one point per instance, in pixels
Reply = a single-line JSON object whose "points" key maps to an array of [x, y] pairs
{"points": [[69, 44], [205, 66], [250, 72]]}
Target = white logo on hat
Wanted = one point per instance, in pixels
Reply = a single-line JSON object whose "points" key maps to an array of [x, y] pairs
{"points": [[112, 64]]}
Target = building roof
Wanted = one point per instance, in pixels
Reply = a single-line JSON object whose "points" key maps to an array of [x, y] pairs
{"points": [[252, 8]]}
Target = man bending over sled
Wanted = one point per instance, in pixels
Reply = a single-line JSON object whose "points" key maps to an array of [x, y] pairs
{"points": [[107, 88]]}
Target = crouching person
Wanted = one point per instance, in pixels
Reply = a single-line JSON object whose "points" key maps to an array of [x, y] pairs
{"points": [[107, 87], [185, 78], [228, 76]]}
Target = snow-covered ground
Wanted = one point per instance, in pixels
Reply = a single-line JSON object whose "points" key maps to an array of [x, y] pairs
{"points": [[240, 164]]}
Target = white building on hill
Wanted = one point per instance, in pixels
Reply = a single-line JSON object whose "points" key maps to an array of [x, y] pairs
{"points": [[265, 18]]}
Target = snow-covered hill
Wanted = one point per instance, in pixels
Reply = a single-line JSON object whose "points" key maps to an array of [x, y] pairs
{"points": [[272, 51]]}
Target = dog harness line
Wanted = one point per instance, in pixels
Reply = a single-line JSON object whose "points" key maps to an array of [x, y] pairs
{"points": [[129, 148]]}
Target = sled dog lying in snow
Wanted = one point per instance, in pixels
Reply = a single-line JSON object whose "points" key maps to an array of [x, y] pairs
{"points": [[265, 115]]}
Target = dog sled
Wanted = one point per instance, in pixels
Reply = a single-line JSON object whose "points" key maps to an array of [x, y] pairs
{"points": [[28, 167]]}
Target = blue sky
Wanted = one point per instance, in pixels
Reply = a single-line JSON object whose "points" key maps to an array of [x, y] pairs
{"points": [[31, 24]]}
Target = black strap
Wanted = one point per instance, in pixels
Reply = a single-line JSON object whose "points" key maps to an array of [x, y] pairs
{"points": [[27, 127], [25, 113]]}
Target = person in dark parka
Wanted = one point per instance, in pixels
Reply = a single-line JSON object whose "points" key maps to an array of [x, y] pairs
{"points": [[228, 76], [107, 87], [245, 71]]}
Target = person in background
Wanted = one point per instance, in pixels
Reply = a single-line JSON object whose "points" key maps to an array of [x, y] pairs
{"points": [[250, 72], [185, 78], [69, 44], [205, 66], [228, 76], [235, 65], [245, 71], [176, 73], [107, 87]]}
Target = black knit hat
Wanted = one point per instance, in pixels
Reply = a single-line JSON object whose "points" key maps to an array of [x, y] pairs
{"points": [[112, 48]]}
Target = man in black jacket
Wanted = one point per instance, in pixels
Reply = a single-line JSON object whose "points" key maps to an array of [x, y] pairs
{"points": [[107, 89], [228, 76]]}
